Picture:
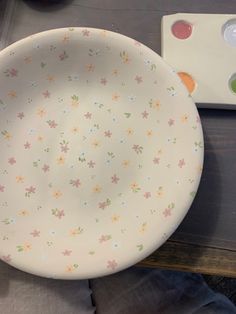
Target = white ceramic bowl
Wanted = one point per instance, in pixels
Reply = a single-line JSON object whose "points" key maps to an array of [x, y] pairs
{"points": [[101, 153]]}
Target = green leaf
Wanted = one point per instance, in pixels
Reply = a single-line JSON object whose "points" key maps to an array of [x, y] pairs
{"points": [[140, 247], [127, 114]]}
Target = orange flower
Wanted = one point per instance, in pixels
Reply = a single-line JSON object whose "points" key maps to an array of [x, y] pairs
{"points": [[50, 78], [90, 67], [115, 96], [40, 138], [126, 163], [57, 194], [75, 130], [27, 247], [115, 218], [97, 189], [41, 112], [61, 160], [149, 133], [12, 94], [96, 144], [130, 131], [23, 212], [184, 118], [20, 179]]}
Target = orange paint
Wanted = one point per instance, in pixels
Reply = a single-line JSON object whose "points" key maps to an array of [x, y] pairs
{"points": [[188, 81]]}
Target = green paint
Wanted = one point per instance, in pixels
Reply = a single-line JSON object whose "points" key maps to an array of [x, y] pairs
{"points": [[233, 85]]}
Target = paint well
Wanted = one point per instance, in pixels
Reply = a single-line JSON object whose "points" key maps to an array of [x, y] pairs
{"points": [[229, 32], [181, 29], [188, 81], [232, 83]]}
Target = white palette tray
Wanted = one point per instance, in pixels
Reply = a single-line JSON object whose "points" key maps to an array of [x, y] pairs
{"points": [[202, 48]]}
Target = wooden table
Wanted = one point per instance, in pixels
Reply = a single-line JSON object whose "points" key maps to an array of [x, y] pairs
{"points": [[205, 241]]}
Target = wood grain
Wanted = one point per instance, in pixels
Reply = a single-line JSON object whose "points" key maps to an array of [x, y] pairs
{"points": [[189, 257]]}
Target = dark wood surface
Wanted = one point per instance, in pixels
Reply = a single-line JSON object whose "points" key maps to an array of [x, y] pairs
{"points": [[206, 239]]}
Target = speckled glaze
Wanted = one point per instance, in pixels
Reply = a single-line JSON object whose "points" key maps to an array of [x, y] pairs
{"points": [[101, 153]]}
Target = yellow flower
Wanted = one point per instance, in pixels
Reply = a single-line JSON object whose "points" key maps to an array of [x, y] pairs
{"points": [[40, 138], [50, 78], [7, 135], [41, 112], [20, 179], [135, 187], [96, 143], [23, 212], [115, 72], [115, 218], [149, 133], [57, 194], [27, 247], [69, 269], [61, 160], [184, 118], [103, 33], [115, 96], [143, 228], [28, 60], [199, 169], [12, 94], [130, 131], [75, 130], [155, 104], [90, 67], [97, 189], [65, 39], [126, 163]]}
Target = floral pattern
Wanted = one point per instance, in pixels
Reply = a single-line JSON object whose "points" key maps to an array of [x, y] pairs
{"points": [[95, 155]]}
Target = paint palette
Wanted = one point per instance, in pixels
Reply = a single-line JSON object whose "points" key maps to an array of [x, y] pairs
{"points": [[202, 49]]}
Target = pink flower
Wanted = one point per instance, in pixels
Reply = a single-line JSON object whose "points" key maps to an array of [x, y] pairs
{"points": [[147, 195], [75, 183], [112, 264], [66, 252], [145, 114], [30, 189], [11, 161], [13, 72], [167, 212], [115, 179], [35, 233], [181, 163], [102, 239], [63, 56], [198, 119], [88, 115], [2, 188], [45, 168], [85, 32], [52, 124], [103, 81], [27, 145], [108, 133], [64, 148], [46, 94], [20, 115], [6, 258], [171, 122], [138, 79], [156, 160], [91, 164], [102, 205]]}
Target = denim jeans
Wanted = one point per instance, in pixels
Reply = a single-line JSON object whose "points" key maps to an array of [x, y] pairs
{"points": [[133, 291]]}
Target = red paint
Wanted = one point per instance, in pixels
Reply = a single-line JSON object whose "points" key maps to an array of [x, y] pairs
{"points": [[181, 29]]}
